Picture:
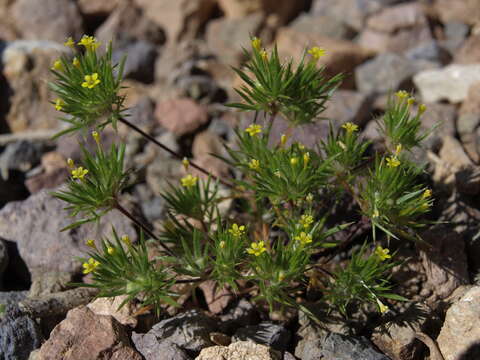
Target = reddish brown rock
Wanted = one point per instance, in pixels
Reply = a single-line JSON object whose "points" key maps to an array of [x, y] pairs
{"points": [[217, 299], [205, 146], [471, 105], [54, 173], [397, 17], [397, 42], [466, 11], [469, 53], [181, 116], [110, 306], [86, 335]]}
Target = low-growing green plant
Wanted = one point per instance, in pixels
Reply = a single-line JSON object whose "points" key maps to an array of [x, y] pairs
{"points": [[284, 191]]}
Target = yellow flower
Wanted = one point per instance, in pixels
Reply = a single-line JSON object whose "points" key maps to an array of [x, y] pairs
{"points": [[236, 230], [294, 161], [375, 214], [254, 129], [301, 146], [189, 181], [350, 127], [222, 244], [91, 243], [185, 163], [264, 55], [79, 173], [257, 43], [421, 109], [59, 104], [96, 136], [89, 42], [306, 158], [393, 162], [76, 62], [57, 65], [411, 101], [256, 248], [254, 164], [126, 240], [382, 307], [383, 254], [111, 250], [309, 197], [90, 266], [426, 194], [401, 94], [303, 238], [91, 81], [281, 275], [317, 52], [283, 140], [398, 149], [306, 221], [69, 43], [70, 163]]}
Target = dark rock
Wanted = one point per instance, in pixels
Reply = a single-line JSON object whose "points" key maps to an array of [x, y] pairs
{"points": [[150, 347], [190, 331], [9, 298], [385, 72], [430, 51], [240, 315], [19, 335], [21, 156], [266, 333], [3, 260], [140, 63]]}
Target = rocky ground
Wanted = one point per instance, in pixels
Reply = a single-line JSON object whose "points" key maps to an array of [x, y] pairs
{"points": [[178, 79]]}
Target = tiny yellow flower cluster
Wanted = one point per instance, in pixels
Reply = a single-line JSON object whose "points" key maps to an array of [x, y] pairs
{"points": [[304, 238], [306, 220], [350, 127], [79, 173], [306, 158], [254, 129], [185, 163], [294, 161], [89, 42], [257, 249], [59, 103], [401, 94], [189, 181], [70, 163], [317, 52], [257, 43], [426, 194], [91, 81], [58, 65], [76, 62], [254, 164], [126, 240], [91, 243], [69, 43], [90, 265], [111, 250], [382, 254], [393, 162], [237, 231]]}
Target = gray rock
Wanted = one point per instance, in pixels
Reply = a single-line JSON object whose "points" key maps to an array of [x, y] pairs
{"points": [[149, 346], [322, 25], [190, 331], [430, 51], [455, 35], [8, 298], [450, 83], [34, 224], [348, 106], [21, 156], [154, 208], [267, 333], [19, 335], [240, 315], [3, 260], [140, 63], [386, 72]]}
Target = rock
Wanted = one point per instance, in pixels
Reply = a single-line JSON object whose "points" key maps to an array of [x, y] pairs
{"points": [[26, 66], [469, 52], [127, 24], [322, 25], [48, 282], [50, 20], [283, 11], [460, 335], [19, 335], [34, 224], [238, 351], [95, 8], [55, 172], [153, 208], [3, 260], [162, 172], [266, 333], [190, 331], [471, 105], [342, 56], [140, 63], [240, 315], [429, 51], [110, 306], [204, 148], [86, 335], [466, 128], [9, 298], [227, 37], [450, 83], [468, 181], [466, 11], [181, 116], [180, 19], [217, 299], [396, 338], [455, 35], [385, 72], [21, 156], [393, 18], [439, 119], [336, 346], [150, 348], [348, 106]]}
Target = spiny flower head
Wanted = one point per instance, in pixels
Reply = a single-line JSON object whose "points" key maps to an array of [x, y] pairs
{"points": [[236, 230], [58, 65], [69, 43], [91, 81], [90, 265], [306, 220], [79, 173], [383, 254], [59, 104], [254, 129], [189, 181], [89, 42], [256, 249], [317, 52], [257, 43], [254, 164], [304, 238], [393, 162], [350, 127]]}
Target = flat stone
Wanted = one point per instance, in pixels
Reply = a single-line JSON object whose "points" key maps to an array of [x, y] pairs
{"points": [[239, 350], [348, 106], [322, 25], [110, 306], [266, 333], [397, 17]]}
